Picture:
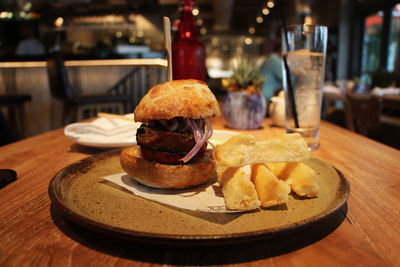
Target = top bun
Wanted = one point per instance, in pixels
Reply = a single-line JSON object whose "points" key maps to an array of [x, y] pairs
{"points": [[178, 98]]}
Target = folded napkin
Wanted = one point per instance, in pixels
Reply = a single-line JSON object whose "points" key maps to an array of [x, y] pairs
{"points": [[108, 126], [107, 129]]}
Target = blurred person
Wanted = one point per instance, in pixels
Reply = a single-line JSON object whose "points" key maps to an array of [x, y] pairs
{"points": [[271, 69], [102, 50], [29, 45]]}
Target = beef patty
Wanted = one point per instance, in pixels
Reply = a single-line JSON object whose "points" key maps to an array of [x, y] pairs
{"points": [[164, 146]]}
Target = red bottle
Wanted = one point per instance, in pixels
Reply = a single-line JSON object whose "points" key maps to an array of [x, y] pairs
{"points": [[188, 53]]}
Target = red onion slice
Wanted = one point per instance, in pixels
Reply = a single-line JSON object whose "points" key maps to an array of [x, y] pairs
{"points": [[167, 124], [187, 125], [174, 126], [200, 140], [196, 130], [211, 132]]}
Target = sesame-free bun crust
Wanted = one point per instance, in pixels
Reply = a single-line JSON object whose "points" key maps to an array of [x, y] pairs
{"points": [[159, 175], [177, 98]]}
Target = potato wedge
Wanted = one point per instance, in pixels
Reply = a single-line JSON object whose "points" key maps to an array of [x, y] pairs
{"points": [[239, 192], [301, 178], [271, 191], [243, 150]]}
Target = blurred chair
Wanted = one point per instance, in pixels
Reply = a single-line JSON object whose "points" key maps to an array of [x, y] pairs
{"points": [[6, 134], [75, 105], [390, 109], [392, 101], [362, 113], [15, 104]]}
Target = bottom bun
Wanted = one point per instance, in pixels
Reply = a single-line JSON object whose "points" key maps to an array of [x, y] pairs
{"points": [[159, 175]]}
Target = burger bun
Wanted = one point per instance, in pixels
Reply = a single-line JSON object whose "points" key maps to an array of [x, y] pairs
{"points": [[178, 98], [166, 176]]}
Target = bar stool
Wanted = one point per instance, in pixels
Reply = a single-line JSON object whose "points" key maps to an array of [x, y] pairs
{"points": [[15, 104], [61, 89]]}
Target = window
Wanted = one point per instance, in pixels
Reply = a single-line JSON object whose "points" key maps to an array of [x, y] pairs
{"points": [[393, 63], [372, 42]]}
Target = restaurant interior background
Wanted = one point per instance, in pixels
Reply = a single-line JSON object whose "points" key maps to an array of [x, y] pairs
{"points": [[363, 40]]}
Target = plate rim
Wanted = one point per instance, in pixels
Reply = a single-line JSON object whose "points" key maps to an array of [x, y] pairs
{"points": [[181, 239]]}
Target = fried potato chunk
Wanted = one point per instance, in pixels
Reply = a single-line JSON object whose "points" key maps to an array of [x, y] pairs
{"points": [[301, 178], [263, 173], [239, 192], [271, 191], [243, 150]]}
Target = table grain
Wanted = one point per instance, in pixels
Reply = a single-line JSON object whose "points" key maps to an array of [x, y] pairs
{"points": [[366, 232]]}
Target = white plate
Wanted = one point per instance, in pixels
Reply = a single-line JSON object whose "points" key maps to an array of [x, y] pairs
{"points": [[101, 133]]}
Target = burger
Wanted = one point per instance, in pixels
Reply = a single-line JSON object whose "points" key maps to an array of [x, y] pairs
{"points": [[171, 150]]}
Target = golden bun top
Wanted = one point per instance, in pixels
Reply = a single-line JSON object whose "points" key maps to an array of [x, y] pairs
{"points": [[177, 98]]}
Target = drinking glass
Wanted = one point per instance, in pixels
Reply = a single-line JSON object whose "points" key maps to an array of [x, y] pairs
{"points": [[303, 55]]}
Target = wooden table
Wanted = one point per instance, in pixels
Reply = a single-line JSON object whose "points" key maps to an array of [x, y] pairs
{"points": [[364, 233]]}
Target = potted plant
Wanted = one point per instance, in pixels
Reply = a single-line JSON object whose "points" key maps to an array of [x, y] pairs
{"points": [[244, 105]]}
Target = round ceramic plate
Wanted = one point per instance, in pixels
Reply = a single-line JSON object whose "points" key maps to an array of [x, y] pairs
{"points": [[81, 196]]}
